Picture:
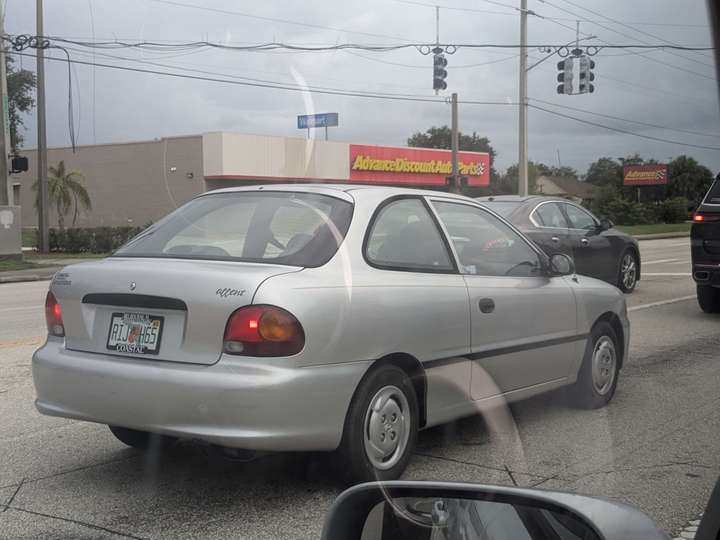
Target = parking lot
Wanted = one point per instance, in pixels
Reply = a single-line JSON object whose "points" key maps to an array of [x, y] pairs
{"points": [[655, 446]]}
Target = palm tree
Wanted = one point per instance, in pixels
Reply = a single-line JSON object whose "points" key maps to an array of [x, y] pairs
{"points": [[65, 189]]}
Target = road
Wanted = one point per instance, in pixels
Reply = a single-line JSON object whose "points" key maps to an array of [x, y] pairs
{"points": [[654, 447]]}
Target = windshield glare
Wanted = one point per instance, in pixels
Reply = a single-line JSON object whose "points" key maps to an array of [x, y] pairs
{"points": [[298, 229]]}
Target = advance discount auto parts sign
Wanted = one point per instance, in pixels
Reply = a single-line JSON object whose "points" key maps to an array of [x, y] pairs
{"points": [[645, 175], [415, 166]]}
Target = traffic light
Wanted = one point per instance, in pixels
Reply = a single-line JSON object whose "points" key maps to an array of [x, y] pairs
{"points": [[565, 77], [586, 75], [439, 71]]}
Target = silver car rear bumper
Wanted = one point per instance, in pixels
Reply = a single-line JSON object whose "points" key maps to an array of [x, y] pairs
{"points": [[249, 403]]}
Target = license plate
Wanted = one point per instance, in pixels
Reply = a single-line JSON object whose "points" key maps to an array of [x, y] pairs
{"points": [[137, 333]]}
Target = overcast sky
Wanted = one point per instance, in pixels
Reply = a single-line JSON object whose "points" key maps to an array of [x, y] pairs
{"points": [[114, 106]]}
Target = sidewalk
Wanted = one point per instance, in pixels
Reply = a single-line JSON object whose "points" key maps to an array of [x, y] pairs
{"points": [[42, 273]]}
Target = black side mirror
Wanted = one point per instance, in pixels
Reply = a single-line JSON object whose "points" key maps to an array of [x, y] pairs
{"points": [[561, 265], [606, 224], [427, 510]]}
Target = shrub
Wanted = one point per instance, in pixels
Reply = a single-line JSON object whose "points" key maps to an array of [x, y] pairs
{"points": [[673, 210], [90, 240]]}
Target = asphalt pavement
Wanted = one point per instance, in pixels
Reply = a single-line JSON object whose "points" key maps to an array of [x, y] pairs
{"points": [[655, 447]]}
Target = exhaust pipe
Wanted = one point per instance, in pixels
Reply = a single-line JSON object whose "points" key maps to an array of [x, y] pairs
{"points": [[701, 275]]}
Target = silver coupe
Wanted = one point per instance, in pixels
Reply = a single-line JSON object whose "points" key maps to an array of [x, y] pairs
{"points": [[322, 317]]}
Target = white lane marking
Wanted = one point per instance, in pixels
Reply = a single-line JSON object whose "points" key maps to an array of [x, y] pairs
{"points": [[659, 261], [681, 262], [644, 274], [661, 303], [678, 244]]}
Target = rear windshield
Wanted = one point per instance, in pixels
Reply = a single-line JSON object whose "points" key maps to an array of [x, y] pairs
{"points": [[713, 195], [298, 229], [504, 208]]}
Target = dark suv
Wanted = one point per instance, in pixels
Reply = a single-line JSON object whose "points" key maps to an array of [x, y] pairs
{"points": [[705, 249]]}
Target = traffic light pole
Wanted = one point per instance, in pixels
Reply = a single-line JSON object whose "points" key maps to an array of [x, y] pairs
{"points": [[454, 143], [43, 219], [5, 184], [522, 132]]}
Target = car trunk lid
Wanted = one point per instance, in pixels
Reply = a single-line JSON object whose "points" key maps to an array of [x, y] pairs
{"points": [[186, 303]]}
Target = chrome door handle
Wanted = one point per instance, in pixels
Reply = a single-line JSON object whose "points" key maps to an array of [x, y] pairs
{"points": [[555, 239], [584, 241]]}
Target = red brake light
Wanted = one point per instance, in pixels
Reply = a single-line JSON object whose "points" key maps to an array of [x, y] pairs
{"points": [[263, 331], [704, 218], [53, 316]]}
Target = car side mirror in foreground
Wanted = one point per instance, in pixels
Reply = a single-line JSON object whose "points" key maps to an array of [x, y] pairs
{"points": [[561, 265], [429, 510], [606, 224]]}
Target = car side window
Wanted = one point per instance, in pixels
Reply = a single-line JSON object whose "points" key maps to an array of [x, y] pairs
{"points": [[485, 245], [404, 236], [579, 218], [550, 215]]}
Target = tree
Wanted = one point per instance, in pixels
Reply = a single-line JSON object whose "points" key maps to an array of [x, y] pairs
{"points": [[20, 84], [441, 137], [687, 178], [605, 172], [65, 189]]}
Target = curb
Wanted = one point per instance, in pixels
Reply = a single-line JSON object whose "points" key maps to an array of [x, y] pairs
{"points": [[660, 236], [20, 278]]}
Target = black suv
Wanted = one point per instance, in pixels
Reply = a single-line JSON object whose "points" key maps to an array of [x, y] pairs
{"points": [[705, 249]]}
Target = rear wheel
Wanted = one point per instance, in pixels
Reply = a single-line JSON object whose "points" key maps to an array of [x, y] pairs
{"points": [[141, 439], [628, 271], [381, 426], [600, 369], [708, 298]]}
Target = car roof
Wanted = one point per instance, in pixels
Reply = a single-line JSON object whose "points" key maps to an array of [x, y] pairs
{"points": [[343, 191], [520, 199]]}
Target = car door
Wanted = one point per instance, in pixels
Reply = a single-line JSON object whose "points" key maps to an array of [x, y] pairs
{"points": [[591, 248], [550, 228], [412, 300], [523, 323]]}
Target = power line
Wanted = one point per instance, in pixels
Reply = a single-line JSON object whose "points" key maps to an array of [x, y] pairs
{"points": [[416, 66], [624, 131], [275, 86], [623, 119], [21, 40], [632, 28], [654, 90], [273, 19], [515, 13], [673, 66]]}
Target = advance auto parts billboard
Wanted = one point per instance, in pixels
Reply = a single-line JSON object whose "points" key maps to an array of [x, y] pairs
{"points": [[415, 166], [645, 175]]}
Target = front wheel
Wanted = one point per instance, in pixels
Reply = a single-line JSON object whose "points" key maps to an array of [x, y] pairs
{"points": [[708, 298], [381, 426], [600, 369], [628, 272], [141, 440]]}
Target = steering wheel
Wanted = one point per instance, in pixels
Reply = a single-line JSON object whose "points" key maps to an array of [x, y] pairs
{"points": [[520, 265]]}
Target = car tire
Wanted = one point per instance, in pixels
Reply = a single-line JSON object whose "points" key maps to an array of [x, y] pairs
{"points": [[391, 428], [600, 369], [141, 440], [627, 275], [709, 298]]}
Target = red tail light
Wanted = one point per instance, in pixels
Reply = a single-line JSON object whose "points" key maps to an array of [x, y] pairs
{"points": [[263, 331], [53, 316], [704, 218]]}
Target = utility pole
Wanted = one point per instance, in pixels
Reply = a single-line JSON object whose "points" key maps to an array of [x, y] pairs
{"points": [[5, 184], [42, 137], [523, 135], [455, 178]]}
